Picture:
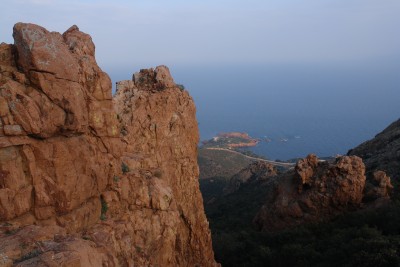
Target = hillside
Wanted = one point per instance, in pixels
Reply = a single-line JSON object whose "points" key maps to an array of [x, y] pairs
{"points": [[382, 153], [219, 163], [315, 215]]}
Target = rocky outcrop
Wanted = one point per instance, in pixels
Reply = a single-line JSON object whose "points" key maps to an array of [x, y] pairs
{"points": [[231, 140], [317, 191], [91, 180], [381, 153], [256, 172], [379, 186], [314, 191]]}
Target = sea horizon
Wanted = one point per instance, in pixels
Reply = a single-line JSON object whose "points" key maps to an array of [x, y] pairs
{"points": [[325, 109]]}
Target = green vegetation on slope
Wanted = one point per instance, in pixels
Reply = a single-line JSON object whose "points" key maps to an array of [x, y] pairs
{"points": [[364, 238], [218, 163], [368, 237], [212, 188]]}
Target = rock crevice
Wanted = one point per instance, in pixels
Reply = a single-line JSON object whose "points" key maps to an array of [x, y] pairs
{"points": [[89, 179]]}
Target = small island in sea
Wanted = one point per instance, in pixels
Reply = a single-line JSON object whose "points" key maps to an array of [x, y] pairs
{"points": [[231, 140]]}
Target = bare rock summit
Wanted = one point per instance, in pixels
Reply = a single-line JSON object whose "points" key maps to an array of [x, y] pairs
{"points": [[87, 179]]}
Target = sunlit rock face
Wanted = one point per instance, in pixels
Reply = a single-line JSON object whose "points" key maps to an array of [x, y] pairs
{"points": [[87, 179]]}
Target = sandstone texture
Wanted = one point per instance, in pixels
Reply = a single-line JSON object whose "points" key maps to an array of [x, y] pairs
{"points": [[314, 191], [382, 153], [88, 179]]}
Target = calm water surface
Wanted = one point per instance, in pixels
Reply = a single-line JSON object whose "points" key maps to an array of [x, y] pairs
{"points": [[302, 109]]}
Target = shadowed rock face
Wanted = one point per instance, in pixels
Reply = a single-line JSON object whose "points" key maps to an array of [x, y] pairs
{"points": [[379, 186], [257, 171], [382, 153], [91, 180], [314, 191]]}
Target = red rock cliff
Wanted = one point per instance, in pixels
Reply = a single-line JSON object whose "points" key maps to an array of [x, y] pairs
{"points": [[91, 180]]}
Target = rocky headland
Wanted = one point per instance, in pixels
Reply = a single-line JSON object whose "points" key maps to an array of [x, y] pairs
{"points": [[88, 179], [231, 140]]}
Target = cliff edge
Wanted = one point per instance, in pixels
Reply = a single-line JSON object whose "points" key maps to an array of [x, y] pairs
{"points": [[382, 154], [87, 179]]}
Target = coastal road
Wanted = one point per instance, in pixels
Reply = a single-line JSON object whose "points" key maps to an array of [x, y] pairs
{"points": [[276, 163]]}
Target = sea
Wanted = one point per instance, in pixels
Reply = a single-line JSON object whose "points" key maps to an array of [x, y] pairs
{"points": [[295, 109]]}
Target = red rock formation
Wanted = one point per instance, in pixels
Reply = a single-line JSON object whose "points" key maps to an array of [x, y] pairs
{"points": [[305, 170], [378, 187], [235, 134], [314, 191], [91, 180], [250, 143]]}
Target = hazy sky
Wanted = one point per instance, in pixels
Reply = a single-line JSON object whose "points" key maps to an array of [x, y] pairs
{"points": [[152, 32]]}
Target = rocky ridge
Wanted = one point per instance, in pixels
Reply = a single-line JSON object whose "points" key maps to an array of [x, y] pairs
{"points": [[87, 179], [317, 191], [381, 153]]}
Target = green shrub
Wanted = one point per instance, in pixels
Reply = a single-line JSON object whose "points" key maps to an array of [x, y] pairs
{"points": [[11, 231], [363, 238], [104, 209], [181, 86], [157, 173], [124, 168], [30, 255]]}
